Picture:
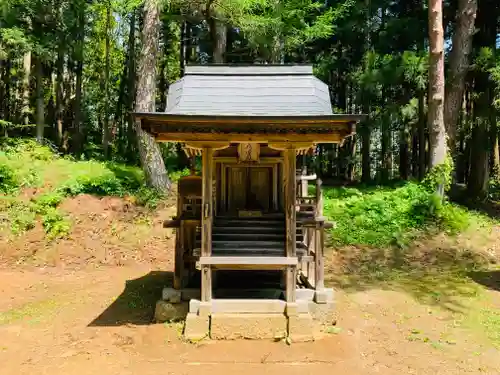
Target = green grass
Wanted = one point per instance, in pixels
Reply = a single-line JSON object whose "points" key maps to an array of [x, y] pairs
{"points": [[386, 216], [32, 312], [26, 164]]}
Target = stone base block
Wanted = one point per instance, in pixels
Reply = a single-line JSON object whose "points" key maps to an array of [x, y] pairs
{"points": [[171, 295], [196, 327], [248, 326], [324, 296], [301, 328], [188, 294], [167, 312], [304, 294], [323, 313]]}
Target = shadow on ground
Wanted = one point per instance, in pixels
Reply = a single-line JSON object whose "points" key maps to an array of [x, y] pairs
{"points": [[489, 279], [136, 304], [434, 275]]}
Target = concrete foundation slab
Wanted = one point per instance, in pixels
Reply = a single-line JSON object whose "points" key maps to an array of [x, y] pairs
{"points": [[196, 327], [248, 326], [324, 295], [301, 328], [323, 313], [171, 295], [167, 311], [304, 294]]}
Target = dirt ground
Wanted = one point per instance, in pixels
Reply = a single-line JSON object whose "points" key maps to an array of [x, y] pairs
{"points": [[84, 306]]}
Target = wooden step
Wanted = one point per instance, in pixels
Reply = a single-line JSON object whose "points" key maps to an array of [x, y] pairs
{"points": [[257, 237], [248, 223], [250, 229], [248, 244]]}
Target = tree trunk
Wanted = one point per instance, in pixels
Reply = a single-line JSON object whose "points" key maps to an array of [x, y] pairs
{"points": [[59, 94], [26, 88], [40, 106], [404, 153], [149, 151], [422, 127], [218, 35], [131, 142], [106, 132], [366, 174], [436, 87], [459, 65], [483, 104], [79, 130]]}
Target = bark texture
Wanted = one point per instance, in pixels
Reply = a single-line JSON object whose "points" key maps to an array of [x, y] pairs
{"points": [[149, 151], [436, 85], [40, 106], [459, 66]]}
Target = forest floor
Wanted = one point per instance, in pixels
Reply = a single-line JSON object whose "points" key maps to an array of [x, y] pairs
{"points": [[84, 305]]}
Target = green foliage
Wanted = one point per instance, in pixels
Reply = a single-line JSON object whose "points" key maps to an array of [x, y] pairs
{"points": [[440, 175], [55, 224], [24, 163], [8, 182], [17, 215], [381, 216]]}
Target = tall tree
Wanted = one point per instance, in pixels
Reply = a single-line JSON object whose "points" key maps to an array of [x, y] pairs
{"points": [[436, 88], [459, 66], [106, 131], [149, 151]]}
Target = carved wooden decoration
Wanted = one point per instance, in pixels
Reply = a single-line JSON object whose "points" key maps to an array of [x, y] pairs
{"points": [[248, 152]]}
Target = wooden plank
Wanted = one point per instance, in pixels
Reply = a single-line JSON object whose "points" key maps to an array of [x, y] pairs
{"points": [[319, 198], [291, 281], [319, 266], [251, 260], [290, 218], [290, 197], [206, 232], [245, 137], [206, 283]]}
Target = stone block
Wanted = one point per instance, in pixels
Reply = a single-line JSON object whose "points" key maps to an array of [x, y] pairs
{"points": [[323, 313], [248, 326], [196, 327], [205, 309], [304, 294], [171, 295], [324, 296], [301, 328], [167, 312], [292, 308], [189, 294], [194, 306]]}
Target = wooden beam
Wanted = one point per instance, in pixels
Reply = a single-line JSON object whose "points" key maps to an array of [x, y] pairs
{"points": [[290, 217], [319, 267], [215, 145], [206, 220], [276, 138], [251, 260], [281, 146]]}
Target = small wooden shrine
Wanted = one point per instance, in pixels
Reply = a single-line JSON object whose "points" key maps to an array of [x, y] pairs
{"points": [[248, 217]]}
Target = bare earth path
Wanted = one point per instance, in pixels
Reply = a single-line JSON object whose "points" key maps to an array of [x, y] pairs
{"points": [[93, 322]]}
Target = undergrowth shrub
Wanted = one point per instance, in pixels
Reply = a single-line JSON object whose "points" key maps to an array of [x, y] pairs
{"points": [[382, 217], [8, 181]]}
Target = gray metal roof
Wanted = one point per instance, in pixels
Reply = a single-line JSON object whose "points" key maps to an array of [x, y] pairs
{"points": [[258, 90]]}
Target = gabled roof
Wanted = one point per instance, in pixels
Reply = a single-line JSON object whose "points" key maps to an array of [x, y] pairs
{"points": [[258, 90]]}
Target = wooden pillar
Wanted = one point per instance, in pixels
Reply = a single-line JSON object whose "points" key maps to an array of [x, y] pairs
{"points": [[206, 222], [290, 217], [319, 197], [319, 266], [304, 184]]}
